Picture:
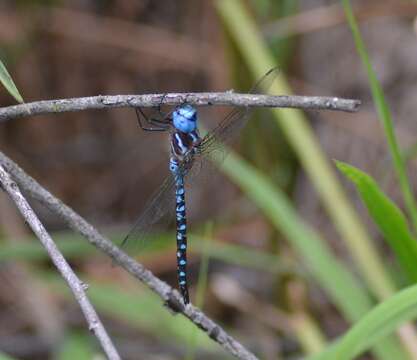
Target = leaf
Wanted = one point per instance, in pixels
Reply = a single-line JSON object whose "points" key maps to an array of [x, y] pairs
{"points": [[388, 217], [8, 83], [375, 325], [329, 272], [384, 114]]}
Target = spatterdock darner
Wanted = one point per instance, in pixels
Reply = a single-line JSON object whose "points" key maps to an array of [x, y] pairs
{"points": [[187, 149]]}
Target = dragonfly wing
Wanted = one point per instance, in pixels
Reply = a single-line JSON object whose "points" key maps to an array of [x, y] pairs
{"points": [[157, 211], [228, 129], [211, 149]]}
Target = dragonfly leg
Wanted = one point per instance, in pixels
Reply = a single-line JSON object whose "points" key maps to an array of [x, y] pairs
{"points": [[156, 124], [161, 114], [161, 124], [185, 101]]}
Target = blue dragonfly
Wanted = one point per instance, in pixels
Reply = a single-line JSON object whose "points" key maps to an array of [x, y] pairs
{"points": [[187, 149]]}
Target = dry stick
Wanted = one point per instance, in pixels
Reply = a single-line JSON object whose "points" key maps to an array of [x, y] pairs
{"points": [[170, 296], [150, 100], [76, 286]]}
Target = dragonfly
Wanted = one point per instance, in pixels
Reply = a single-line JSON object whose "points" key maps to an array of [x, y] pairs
{"points": [[188, 148]]}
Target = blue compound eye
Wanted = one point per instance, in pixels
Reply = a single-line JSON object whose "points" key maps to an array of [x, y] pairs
{"points": [[184, 118]]}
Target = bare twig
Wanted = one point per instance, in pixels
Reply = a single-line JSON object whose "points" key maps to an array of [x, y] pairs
{"points": [[170, 296], [149, 100], [77, 287]]}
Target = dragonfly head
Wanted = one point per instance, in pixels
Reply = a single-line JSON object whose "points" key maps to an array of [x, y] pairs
{"points": [[184, 118]]}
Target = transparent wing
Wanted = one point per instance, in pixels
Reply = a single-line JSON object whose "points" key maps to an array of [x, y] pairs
{"points": [[161, 205], [158, 210], [228, 129]]}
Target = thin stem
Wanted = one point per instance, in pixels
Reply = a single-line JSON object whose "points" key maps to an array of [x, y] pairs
{"points": [[76, 285], [155, 100]]}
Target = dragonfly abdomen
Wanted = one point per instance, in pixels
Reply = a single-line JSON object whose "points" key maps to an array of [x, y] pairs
{"points": [[181, 222]]}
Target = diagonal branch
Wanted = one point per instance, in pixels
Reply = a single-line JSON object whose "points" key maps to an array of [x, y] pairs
{"points": [[170, 296], [152, 100], [75, 284]]}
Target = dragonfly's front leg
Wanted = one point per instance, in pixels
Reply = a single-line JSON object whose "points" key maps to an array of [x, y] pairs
{"points": [[158, 124]]}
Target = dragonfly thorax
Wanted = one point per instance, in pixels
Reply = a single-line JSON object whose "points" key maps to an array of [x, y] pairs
{"points": [[183, 144], [184, 118]]}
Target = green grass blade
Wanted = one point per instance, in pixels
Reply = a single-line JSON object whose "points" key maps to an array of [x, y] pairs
{"points": [[300, 134], [388, 217], [8, 83], [331, 274], [384, 116], [375, 325], [309, 334], [248, 39]]}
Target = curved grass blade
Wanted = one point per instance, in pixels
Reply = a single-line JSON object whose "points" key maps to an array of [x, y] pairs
{"points": [[384, 114], [300, 135], [8, 83], [388, 217], [377, 324], [249, 41], [330, 273]]}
